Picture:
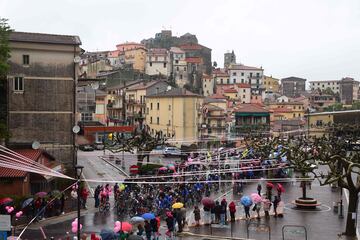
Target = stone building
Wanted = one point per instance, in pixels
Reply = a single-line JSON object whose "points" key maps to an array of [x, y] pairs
{"points": [[229, 58], [178, 66], [41, 92], [348, 90], [158, 62], [293, 86]]}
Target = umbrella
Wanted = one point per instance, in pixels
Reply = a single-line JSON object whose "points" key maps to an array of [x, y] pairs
{"points": [[148, 216], [107, 234], [207, 202], [5, 201], [280, 187], [178, 205], [269, 185], [172, 168], [256, 198], [246, 201], [162, 169], [41, 194], [27, 202], [136, 219], [125, 226]]}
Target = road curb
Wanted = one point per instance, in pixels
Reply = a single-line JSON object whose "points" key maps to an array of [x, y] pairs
{"points": [[210, 236]]}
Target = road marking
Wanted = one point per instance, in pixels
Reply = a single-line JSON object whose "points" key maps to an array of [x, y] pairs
{"points": [[347, 200]]}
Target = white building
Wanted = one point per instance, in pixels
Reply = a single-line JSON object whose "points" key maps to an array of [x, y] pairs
{"points": [[178, 66], [158, 62], [334, 85]]}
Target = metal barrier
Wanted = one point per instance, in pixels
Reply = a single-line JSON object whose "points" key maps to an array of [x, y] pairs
{"points": [[266, 226], [300, 230]]}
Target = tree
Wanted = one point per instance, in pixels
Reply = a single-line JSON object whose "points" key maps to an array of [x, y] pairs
{"points": [[340, 154], [4, 67], [140, 142]]}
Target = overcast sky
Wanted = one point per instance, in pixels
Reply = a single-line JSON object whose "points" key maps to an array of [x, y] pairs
{"points": [[314, 39]]}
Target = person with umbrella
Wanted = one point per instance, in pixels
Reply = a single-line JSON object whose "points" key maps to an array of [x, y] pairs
{"points": [[266, 206], [170, 224], [280, 189], [223, 217], [197, 215], [154, 228], [246, 202]]}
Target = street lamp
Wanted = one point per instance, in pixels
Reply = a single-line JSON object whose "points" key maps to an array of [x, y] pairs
{"points": [[78, 172]]}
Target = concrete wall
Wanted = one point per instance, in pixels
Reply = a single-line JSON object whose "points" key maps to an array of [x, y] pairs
{"points": [[44, 111]]}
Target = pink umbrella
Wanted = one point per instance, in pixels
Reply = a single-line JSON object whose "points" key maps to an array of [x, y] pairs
{"points": [[255, 198], [172, 168], [41, 194]]}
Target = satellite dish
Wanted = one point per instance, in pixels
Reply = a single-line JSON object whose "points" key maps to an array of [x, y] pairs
{"points": [[35, 145], [95, 85], [77, 59], [76, 129]]}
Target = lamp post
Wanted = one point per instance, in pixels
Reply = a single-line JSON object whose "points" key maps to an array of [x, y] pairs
{"points": [[78, 172]]}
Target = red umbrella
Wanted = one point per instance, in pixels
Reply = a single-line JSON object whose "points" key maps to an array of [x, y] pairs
{"points": [[126, 227], [5, 200], [41, 194], [269, 185], [280, 188], [207, 202]]}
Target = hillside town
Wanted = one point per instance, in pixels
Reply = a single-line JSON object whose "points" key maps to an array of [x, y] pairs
{"points": [[162, 138]]}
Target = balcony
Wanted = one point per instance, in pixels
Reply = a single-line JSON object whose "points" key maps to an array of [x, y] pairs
{"points": [[135, 102]]}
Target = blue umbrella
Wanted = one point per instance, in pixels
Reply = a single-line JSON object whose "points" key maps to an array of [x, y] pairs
{"points": [[246, 201], [137, 219], [27, 202], [107, 234], [148, 216]]}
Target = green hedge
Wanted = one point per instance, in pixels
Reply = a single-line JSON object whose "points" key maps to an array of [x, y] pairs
{"points": [[150, 168]]}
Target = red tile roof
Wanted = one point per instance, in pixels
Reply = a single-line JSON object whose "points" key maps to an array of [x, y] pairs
{"points": [[217, 96], [244, 85], [194, 60], [231, 90], [243, 67], [252, 108], [29, 153]]}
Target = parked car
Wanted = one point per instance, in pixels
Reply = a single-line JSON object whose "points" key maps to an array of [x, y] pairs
{"points": [[98, 146], [172, 151], [158, 150], [86, 148]]}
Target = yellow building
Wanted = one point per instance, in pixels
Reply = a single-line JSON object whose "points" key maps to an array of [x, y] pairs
{"points": [[287, 110], [271, 84], [136, 57], [175, 113]]}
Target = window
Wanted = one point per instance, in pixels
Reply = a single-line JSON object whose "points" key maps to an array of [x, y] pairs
{"points": [[184, 68], [150, 106], [169, 123], [165, 65], [169, 108], [176, 61], [150, 119], [222, 81], [147, 110], [294, 115], [244, 90], [234, 74], [234, 80], [180, 76], [158, 106], [299, 115], [258, 74], [242, 80], [150, 64], [157, 120], [228, 81], [86, 117], [18, 84], [177, 68], [204, 85], [26, 59], [242, 74], [243, 96], [251, 74]]}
